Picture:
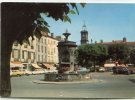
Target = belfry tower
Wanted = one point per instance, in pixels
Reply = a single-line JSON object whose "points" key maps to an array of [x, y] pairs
{"points": [[84, 35]]}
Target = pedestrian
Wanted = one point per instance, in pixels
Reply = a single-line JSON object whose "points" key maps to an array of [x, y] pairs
{"points": [[114, 70]]}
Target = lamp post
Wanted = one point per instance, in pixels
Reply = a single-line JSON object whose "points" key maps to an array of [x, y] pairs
{"points": [[29, 58]]}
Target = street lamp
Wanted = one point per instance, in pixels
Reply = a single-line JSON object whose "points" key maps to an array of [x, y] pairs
{"points": [[29, 63]]}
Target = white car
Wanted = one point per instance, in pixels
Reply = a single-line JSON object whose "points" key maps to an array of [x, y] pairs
{"points": [[101, 69], [54, 71], [38, 71], [51, 71], [11, 73], [27, 72]]}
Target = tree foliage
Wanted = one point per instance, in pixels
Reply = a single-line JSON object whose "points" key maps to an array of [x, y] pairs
{"points": [[24, 20], [118, 52], [103, 54], [91, 53], [132, 56]]}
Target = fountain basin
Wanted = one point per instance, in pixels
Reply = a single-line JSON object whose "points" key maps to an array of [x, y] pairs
{"points": [[66, 77]]}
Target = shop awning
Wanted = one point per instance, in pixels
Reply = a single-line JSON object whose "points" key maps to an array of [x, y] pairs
{"points": [[122, 65], [16, 64], [49, 65], [65, 63], [109, 65], [35, 65]]}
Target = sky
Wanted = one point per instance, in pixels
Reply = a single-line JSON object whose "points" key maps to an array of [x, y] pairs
{"points": [[104, 21]]}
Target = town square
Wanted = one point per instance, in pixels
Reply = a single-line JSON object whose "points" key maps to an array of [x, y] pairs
{"points": [[67, 50]]}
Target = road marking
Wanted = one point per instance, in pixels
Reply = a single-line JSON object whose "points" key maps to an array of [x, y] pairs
{"points": [[61, 93]]}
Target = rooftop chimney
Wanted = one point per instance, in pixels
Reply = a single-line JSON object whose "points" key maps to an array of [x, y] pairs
{"points": [[51, 34], [101, 41], [124, 39]]}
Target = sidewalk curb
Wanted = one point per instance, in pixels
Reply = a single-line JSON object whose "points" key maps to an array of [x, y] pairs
{"points": [[73, 82]]}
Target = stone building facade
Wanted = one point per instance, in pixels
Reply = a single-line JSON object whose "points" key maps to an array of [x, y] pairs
{"points": [[24, 53], [39, 51]]}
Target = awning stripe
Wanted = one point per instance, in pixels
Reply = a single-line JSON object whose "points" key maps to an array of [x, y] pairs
{"points": [[35, 65], [109, 65], [16, 65], [49, 65]]}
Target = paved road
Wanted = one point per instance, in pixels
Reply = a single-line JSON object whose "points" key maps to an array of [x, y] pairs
{"points": [[106, 86]]}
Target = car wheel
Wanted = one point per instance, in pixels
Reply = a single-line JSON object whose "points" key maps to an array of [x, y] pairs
{"points": [[27, 74], [18, 75]]}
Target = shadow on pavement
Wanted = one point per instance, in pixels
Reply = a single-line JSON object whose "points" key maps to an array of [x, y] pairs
{"points": [[132, 80]]}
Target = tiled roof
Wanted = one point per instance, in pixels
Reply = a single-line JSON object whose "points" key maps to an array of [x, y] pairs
{"points": [[45, 34], [119, 41], [130, 42]]}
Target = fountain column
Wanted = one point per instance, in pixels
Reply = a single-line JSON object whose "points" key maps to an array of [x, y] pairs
{"points": [[66, 54]]}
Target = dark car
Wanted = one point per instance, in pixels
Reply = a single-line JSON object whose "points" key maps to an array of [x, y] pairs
{"points": [[122, 70]]}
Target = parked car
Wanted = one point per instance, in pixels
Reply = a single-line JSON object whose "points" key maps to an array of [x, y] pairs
{"points": [[38, 71], [131, 69], [131, 65], [16, 73], [11, 72], [52, 71], [59, 77], [82, 70], [101, 69], [122, 70], [16, 70], [92, 69], [27, 72]]}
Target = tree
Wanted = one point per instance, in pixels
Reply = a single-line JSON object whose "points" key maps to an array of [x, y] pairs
{"points": [[91, 53], [132, 56], [118, 52], [19, 21], [102, 55], [83, 55]]}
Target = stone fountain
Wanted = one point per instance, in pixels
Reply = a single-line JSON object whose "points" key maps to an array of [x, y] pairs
{"points": [[66, 69], [66, 51]]}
